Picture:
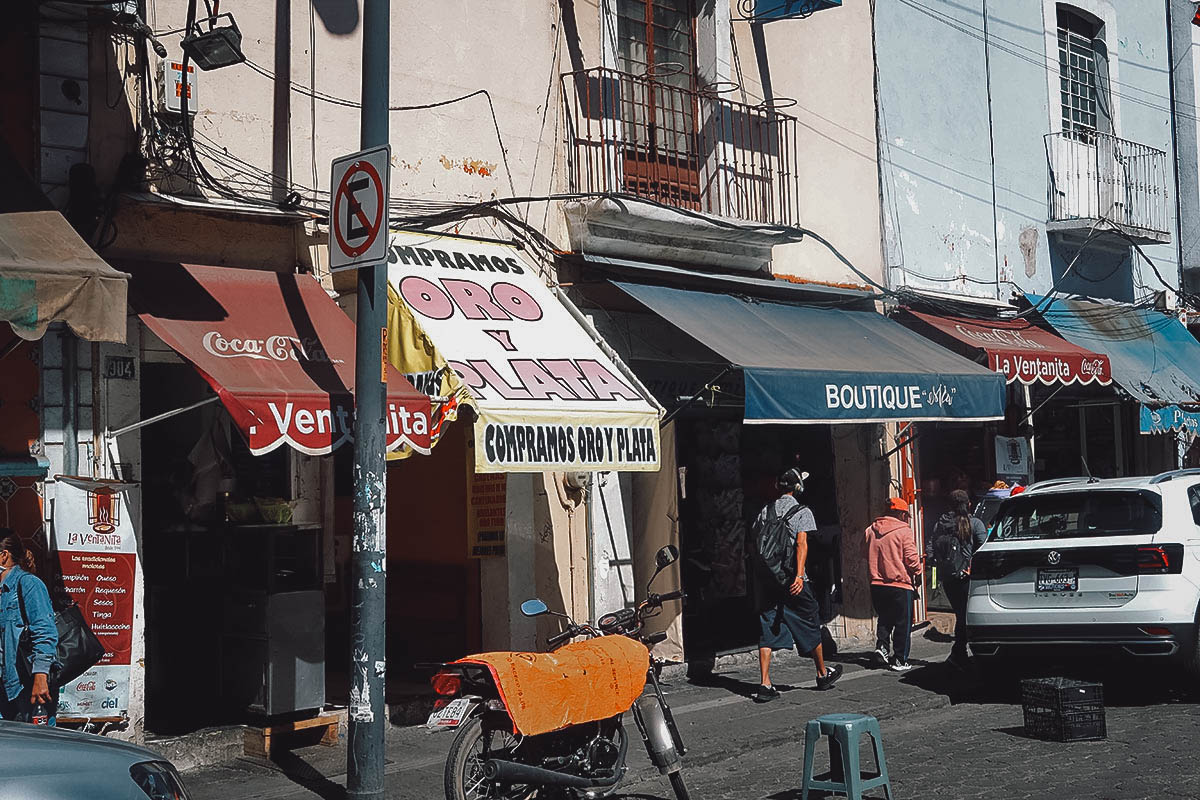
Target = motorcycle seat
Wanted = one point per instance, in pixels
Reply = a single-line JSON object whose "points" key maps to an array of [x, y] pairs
{"points": [[581, 682]]}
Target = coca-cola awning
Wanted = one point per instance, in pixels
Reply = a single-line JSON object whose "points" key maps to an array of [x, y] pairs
{"points": [[277, 350], [1025, 353]]}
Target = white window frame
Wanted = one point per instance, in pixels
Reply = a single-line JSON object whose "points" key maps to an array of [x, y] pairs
{"points": [[1106, 13]]}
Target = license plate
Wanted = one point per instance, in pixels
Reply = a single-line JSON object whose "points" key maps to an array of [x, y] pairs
{"points": [[450, 715], [1058, 580]]}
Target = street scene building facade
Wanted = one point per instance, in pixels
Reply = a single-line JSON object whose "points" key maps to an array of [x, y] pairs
{"points": [[644, 256]]}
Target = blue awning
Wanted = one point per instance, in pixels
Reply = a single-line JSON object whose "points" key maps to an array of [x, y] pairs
{"points": [[1154, 357], [809, 364]]}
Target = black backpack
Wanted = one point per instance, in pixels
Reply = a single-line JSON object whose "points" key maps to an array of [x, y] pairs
{"points": [[951, 555], [776, 547]]}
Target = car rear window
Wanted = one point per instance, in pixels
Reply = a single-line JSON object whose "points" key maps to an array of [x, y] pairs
{"points": [[1065, 515]]}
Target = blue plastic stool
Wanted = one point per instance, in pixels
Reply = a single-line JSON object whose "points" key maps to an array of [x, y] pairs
{"points": [[844, 732]]}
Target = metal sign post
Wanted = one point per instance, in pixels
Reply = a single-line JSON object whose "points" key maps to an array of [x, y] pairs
{"points": [[358, 237]]}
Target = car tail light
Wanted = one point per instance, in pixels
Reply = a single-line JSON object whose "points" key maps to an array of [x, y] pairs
{"points": [[1165, 559], [447, 684]]}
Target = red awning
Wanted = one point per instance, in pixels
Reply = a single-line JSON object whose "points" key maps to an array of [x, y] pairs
{"points": [[277, 350], [1024, 352]]}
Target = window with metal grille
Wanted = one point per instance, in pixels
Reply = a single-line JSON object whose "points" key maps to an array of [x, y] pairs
{"points": [[657, 39], [1079, 74], [656, 49]]}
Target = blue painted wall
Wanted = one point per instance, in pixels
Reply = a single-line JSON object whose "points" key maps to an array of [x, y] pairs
{"points": [[943, 231]]}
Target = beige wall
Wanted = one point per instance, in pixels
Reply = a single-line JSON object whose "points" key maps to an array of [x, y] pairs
{"points": [[825, 64], [439, 51]]}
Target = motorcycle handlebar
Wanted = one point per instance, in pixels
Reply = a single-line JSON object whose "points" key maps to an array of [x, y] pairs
{"points": [[663, 598], [559, 638]]}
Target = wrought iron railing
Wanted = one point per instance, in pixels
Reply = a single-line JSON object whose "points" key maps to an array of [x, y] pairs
{"points": [[686, 148], [1097, 176]]}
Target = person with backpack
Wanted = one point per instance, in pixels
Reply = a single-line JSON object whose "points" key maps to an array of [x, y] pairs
{"points": [[955, 538], [28, 637], [788, 611], [895, 567]]}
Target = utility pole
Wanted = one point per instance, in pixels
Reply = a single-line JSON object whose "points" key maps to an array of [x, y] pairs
{"points": [[368, 608]]}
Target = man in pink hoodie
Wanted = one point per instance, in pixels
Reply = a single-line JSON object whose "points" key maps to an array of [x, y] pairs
{"points": [[894, 564]]}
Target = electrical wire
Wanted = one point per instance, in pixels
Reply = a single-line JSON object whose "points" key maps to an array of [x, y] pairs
{"points": [[347, 103], [1038, 58]]}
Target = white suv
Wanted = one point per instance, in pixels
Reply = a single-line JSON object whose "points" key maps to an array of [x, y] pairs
{"points": [[1093, 564]]}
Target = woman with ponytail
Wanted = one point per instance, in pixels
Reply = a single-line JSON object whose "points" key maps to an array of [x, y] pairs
{"points": [[956, 537], [25, 614]]}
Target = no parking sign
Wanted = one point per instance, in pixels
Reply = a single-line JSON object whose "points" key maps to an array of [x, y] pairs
{"points": [[358, 209]]}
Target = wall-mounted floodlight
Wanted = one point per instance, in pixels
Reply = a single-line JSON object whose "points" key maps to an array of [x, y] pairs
{"points": [[218, 46]]}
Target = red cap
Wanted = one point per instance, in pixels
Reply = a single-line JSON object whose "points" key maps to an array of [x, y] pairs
{"points": [[897, 504]]}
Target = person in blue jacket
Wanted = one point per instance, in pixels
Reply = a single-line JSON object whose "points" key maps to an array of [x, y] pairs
{"points": [[24, 604]]}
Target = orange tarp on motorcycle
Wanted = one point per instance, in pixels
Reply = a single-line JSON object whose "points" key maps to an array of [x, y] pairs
{"points": [[581, 682]]}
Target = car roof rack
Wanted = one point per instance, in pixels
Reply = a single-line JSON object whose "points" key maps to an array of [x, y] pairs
{"points": [[1050, 482], [1163, 477]]}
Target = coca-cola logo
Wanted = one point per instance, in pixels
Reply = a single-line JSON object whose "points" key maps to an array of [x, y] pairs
{"points": [[272, 348], [1091, 366]]}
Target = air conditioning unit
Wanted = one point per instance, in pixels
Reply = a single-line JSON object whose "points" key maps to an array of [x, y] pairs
{"points": [[170, 86]]}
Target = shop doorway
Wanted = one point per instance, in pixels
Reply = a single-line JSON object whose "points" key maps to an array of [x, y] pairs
{"points": [[433, 596], [729, 471], [216, 584]]}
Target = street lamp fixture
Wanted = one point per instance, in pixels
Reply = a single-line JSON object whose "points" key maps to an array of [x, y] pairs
{"points": [[219, 46]]}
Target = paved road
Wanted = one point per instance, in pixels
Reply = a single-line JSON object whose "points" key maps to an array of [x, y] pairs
{"points": [[943, 739]]}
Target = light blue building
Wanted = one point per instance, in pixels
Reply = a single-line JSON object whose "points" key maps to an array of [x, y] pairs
{"points": [[1028, 148], [1013, 132]]}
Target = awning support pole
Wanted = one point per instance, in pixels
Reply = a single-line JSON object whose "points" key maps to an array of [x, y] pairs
{"points": [[706, 387], [607, 349], [110, 435], [902, 444]]}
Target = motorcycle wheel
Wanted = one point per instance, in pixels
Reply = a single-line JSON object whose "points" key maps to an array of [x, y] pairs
{"points": [[678, 785], [464, 765]]}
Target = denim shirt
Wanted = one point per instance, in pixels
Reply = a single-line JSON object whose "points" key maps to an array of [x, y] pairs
{"points": [[41, 623]]}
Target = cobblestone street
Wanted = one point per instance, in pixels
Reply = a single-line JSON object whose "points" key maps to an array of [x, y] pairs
{"points": [[943, 739]]}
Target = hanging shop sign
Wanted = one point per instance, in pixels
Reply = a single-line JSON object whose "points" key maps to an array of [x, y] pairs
{"points": [[1024, 353], [547, 395], [97, 555], [1171, 419], [1013, 462]]}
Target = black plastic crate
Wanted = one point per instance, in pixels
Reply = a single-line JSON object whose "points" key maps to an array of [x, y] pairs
{"points": [[1082, 724], [1060, 693]]}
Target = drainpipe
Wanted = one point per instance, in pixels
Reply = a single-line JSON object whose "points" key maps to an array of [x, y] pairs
{"points": [[1174, 143], [70, 401], [987, 68]]}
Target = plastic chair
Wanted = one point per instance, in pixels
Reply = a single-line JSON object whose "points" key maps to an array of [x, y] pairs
{"points": [[845, 732]]}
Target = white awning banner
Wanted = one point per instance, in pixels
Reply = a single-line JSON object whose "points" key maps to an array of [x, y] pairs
{"points": [[547, 394]]}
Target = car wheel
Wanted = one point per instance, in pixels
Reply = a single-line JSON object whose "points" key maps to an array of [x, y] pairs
{"points": [[1191, 663], [997, 672]]}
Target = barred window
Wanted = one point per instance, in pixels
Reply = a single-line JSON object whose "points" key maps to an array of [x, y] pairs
{"points": [[656, 38], [1079, 73]]}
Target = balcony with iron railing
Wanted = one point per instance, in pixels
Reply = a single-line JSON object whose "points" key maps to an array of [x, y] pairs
{"points": [[691, 149], [1101, 182]]}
